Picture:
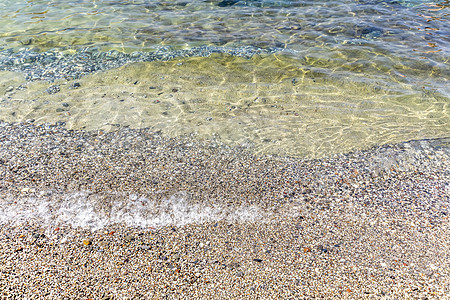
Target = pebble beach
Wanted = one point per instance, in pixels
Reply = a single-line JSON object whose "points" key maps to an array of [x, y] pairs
{"points": [[131, 214], [224, 149]]}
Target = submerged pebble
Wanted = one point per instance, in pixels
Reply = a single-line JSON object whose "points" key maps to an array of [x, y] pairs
{"points": [[53, 89], [51, 66]]}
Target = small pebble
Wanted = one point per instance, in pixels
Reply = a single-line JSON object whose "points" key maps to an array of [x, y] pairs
{"points": [[53, 89], [87, 242], [129, 238], [75, 85]]}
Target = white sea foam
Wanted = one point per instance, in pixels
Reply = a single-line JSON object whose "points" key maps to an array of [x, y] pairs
{"points": [[92, 211]]}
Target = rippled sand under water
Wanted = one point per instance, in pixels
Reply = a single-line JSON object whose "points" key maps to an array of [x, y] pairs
{"points": [[270, 104]]}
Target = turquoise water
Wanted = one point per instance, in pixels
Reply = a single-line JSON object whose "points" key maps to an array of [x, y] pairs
{"points": [[329, 77]]}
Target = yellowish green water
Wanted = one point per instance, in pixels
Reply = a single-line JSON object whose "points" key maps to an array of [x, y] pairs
{"points": [[273, 104]]}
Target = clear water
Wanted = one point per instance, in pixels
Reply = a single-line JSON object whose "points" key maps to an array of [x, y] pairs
{"points": [[343, 75]]}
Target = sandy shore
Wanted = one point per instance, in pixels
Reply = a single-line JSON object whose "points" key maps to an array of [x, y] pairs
{"points": [[368, 225]]}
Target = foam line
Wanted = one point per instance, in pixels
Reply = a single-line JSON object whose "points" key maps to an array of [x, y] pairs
{"points": [[85, 210]]}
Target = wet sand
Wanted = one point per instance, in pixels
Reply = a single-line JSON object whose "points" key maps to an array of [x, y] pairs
{"points": [[366, 225]]}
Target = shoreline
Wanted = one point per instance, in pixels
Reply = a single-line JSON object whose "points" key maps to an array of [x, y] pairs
{"points": [[364, 225]]}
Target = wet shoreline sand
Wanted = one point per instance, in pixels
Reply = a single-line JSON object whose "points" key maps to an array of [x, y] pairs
{"points": [[366, 225]]}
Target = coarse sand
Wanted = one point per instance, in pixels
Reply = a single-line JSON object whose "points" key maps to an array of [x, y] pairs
{"points": [[370, 224]]}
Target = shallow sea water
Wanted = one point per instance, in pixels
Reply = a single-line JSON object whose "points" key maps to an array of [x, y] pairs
{"points": [[330, 76]]}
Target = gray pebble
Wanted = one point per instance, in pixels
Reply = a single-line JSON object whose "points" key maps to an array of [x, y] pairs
{"points": [[53, 89]]}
